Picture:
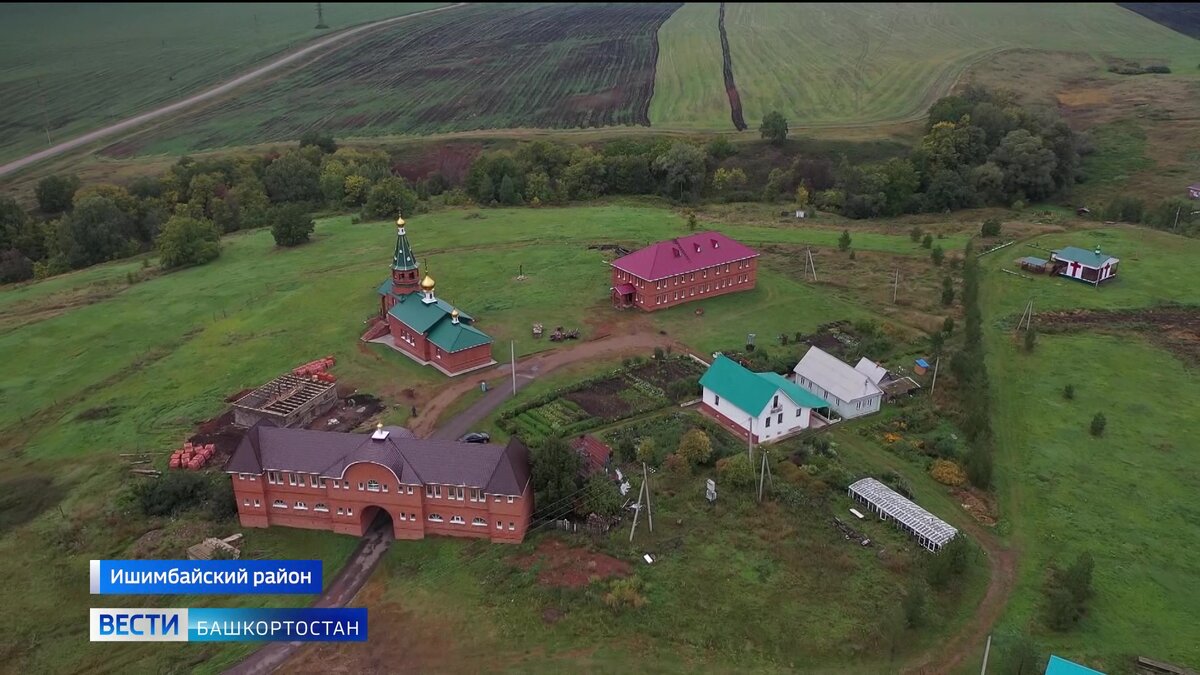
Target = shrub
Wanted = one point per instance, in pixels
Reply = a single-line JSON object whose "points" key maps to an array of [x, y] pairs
{"points": [[948, 473], [948, 296], [948, 325], [1098, 424], [937, 255], [736, 470], [675, 463], [949, 563], [1068, 592], [173, 492], [1069, 392], [979, 466], [625, 593], [990, 228], [1030, 339], [14, 266], [658, 353], [927, 242], [187, 241], [844, 241], [694, 448], [915, 234], [292, 225], [645, 450]]}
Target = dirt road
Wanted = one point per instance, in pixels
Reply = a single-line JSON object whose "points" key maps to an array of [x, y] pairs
{"points": [[208, 94], [500, 378], [343, 589]]}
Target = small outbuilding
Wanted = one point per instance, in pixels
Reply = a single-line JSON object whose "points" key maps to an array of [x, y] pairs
{"points": [[1093, 267], [1060, 666], [1193, 191], [1035, 265], [849, 392]]}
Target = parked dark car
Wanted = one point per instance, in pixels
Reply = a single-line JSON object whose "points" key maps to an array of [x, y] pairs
{"points": [[476, 437]]}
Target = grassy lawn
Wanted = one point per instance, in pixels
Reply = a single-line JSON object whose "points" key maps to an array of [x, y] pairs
{"points": [[847, 64], [77, 67], [831, 602], [1125, 497]]}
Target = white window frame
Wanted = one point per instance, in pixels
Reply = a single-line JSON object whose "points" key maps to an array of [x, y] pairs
{"points": [[510, 499], [457, 520], [360, 486], [246, 502], [321, 507], [371, 482], [279, 504], [274, 478], [291, 478], [499, 525], [511, 526], [410, 489], [435, 518], [478, 522], [341, 511], [257, 504], [301, 506], [313, 481], [429, 491]]}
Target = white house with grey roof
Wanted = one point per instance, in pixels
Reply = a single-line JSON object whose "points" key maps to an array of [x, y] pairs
{"points": [[850, 393]]}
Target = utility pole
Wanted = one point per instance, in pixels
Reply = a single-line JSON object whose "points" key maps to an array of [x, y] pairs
{"points": [[933, 385], [320, 18], [646, 485], [986, 650], [1175, 227], [637, 510], [810, 264], [895, 286], [764, 474], [512, 349]]}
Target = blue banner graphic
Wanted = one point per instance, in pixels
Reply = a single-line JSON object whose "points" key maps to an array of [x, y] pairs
{"points": [[156, 577], [144, 624]]}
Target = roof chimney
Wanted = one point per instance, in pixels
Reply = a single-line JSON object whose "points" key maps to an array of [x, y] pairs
{"points": [[1097, 249], [379, 434]]}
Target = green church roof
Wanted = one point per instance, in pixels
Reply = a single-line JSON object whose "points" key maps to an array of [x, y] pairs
{"points": [[454, 337], [403, 258], [752, 391]]}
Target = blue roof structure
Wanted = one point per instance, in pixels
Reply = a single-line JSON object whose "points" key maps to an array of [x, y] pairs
{"points": [[923, 363], [1061, 666]]}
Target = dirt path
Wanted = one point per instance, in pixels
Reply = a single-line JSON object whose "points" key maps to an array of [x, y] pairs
{"points": [[343, 589], [207, 94], [499, 377], [951, 655]]}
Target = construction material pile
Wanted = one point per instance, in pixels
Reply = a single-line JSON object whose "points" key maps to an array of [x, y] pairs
{"points": [[317, 369], [192, 457]]}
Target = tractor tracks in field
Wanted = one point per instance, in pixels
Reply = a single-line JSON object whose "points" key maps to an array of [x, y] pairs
{"points": [[735, 99]]}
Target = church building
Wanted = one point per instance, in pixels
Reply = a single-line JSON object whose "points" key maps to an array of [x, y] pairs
{"points": [[418, 324]]}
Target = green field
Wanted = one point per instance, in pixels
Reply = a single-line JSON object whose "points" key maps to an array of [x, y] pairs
{"points": [[689, 91], [857, 64], [77, 67], [1127, 497]]}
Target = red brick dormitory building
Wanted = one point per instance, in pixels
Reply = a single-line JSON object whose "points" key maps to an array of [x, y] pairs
{"points": [[342, 482], [418, 324], [680, 270]]}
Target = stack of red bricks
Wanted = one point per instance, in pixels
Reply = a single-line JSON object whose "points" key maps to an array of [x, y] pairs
{"points": [[192, 457], [314, 367]]}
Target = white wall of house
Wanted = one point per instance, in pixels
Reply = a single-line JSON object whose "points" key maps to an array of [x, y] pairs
{"points": [[864, 405], [779, 418]]}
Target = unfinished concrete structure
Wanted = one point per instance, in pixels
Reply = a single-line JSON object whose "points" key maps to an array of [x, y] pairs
{"points": [[287, 401]]}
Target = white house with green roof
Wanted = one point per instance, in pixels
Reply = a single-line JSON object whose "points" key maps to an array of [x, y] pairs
{"points": [[1093, 267], [764, 406]]}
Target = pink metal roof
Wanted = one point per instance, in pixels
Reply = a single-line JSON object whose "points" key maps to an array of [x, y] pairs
{"points": [[684, 254]]}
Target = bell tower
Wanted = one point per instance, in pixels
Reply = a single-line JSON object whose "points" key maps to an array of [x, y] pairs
{"points": [[404, 264]]}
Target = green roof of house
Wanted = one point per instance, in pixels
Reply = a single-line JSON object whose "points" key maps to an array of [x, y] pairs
{"points": [[1061, 666], [403, 258], [799, 395], [454, 337], [1081, 256], [752, 391]]}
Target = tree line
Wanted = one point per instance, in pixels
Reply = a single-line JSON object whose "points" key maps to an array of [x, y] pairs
{"points": [[970, 373], [183, 212]]}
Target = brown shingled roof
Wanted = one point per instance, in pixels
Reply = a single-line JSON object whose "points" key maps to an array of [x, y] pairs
{"points": [[494, 469]]}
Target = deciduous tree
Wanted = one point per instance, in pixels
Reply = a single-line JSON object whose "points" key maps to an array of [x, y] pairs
{"points": [[292, 225], [774, 127], [186, 241]]}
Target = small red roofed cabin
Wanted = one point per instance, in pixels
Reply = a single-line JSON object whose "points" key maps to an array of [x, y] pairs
{"points": [[680, 270]]}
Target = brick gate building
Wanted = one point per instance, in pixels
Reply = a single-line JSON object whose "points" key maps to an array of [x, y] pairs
{"points": [[342, 482], [680, 270]]}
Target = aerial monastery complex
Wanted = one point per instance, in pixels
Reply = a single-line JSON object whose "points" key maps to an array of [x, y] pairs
{"points": [[423, 327]]}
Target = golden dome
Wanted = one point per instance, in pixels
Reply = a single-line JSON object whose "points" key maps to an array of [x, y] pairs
{"points": [[427, 283], [400, 221], [454, 313]]}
